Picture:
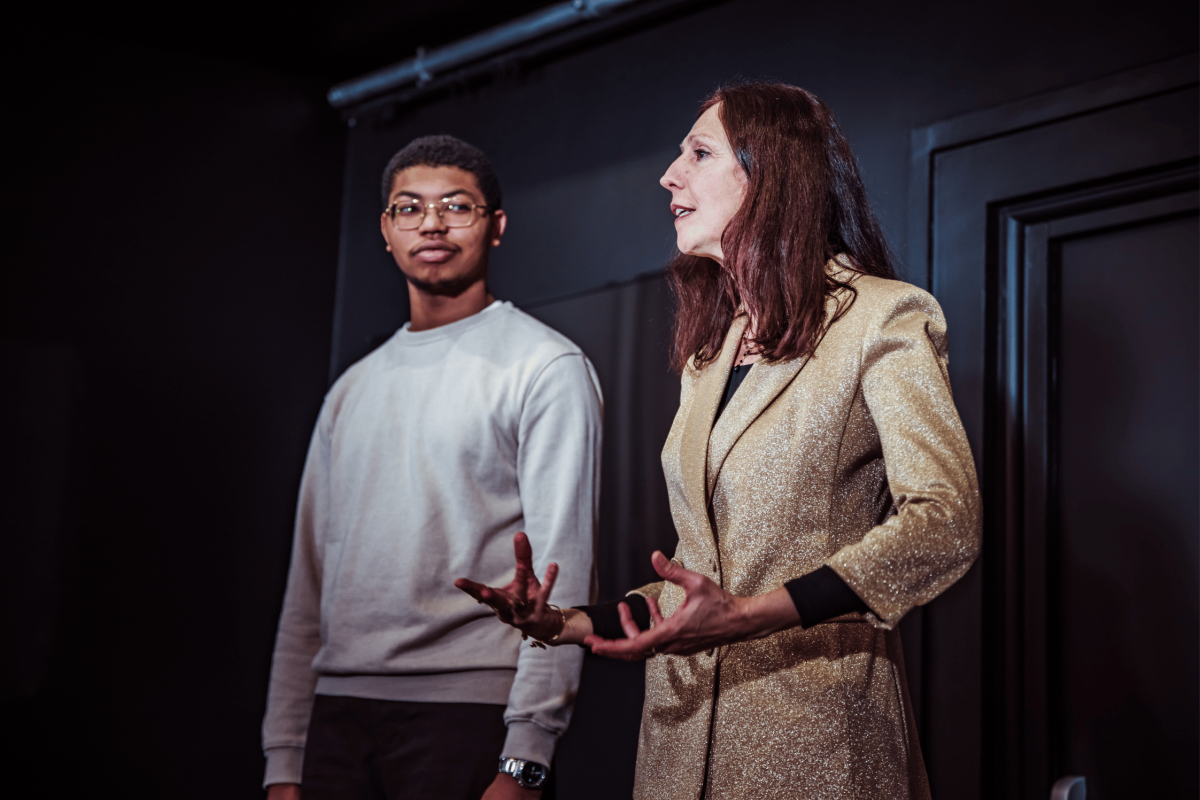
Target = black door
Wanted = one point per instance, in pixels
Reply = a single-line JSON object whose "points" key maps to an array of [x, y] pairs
{"points": [[1060, 235]]}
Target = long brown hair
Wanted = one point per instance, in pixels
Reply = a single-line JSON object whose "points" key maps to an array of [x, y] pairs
{"points": [[805, 203]]}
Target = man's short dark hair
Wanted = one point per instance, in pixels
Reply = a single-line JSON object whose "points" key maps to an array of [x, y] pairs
{"points": [[445, 151]]}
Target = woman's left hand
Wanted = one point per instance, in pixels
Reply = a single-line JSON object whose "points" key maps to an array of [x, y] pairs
{"points": [[709, 617]]}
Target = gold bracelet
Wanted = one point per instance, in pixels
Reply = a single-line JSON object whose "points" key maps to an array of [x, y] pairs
{"points": [[562, 614], [542, 644]]}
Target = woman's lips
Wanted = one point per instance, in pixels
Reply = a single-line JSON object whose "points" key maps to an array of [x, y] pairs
{"points": [[681, 212]]}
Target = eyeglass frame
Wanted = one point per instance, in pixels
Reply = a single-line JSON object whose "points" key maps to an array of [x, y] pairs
{"points": [[440, 207]]}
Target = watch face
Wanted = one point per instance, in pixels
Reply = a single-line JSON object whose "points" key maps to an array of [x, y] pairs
{"points": [[533, 775]]}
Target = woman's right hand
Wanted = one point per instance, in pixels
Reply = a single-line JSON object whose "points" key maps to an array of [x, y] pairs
{"points": [[524, 603]]}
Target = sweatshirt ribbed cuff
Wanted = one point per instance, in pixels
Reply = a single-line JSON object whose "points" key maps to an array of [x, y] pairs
{"points": [[528, 742], [284, 765]]}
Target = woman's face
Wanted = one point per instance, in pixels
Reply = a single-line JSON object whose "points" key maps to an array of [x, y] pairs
{"points": [[707, 186]]}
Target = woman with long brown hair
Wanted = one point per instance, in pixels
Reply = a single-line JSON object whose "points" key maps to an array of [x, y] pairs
{"points": [[819, 478]]}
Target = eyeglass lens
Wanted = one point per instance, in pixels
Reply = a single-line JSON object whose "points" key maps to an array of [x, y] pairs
{"points": [[408, 215]]}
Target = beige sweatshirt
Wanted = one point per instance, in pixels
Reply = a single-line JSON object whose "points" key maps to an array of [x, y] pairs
{"points": [[428, 455]]}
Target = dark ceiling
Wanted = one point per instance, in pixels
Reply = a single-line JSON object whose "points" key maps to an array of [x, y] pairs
{"points": [[325, 40]]}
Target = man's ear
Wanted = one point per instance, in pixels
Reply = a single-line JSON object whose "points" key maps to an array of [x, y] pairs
{"points": [[384, 224], [499, 223]]}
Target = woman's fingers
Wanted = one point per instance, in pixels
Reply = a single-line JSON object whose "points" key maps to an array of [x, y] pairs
{"points": [[522, 548], [645, 644], [519, 584], [498, 601], [525, 574], [542, 596], [638, 644], [680, 576], [524, 553], [608, 648], [667, 569], [656, 616], [627, 623], [550, 579], [471, 587]]}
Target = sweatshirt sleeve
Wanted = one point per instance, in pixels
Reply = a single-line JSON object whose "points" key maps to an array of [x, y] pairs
{"points": [[558, 468], [293, 681], [935, 536]]}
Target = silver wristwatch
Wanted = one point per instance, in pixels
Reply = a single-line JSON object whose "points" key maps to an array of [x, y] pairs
{"points": [[528, 774]]}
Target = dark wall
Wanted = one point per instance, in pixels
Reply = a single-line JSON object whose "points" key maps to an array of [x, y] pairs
{"points": [[581, 142], [167, 295], [166, 298]]}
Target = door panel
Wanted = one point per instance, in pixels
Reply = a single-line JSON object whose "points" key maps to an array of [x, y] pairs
{"points": [[1051, 232], [1128, 408]]}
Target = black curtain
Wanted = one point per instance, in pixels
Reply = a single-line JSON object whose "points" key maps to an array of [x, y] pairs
{"points": [[625, 330]]}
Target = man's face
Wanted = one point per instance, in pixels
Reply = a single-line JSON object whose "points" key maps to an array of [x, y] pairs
{"points": [[436, 258]]}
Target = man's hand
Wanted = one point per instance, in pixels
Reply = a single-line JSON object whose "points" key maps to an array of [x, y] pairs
{"points": [[505, 787], [523, 603], [283, 791], [709, 617]]}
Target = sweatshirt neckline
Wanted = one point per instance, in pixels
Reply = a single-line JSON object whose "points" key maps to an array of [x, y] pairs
{"points": [[409, 338]]}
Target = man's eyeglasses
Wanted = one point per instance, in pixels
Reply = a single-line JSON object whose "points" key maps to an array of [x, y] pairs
{"points": [[407, 215]]}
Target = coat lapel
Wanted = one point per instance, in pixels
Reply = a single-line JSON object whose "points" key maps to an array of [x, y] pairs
{"points": [[704, 446], [764, 383], [760, 388], [710, 385]]}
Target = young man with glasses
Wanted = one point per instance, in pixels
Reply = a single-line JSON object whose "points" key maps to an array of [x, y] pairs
{"points": [[473, 422]]}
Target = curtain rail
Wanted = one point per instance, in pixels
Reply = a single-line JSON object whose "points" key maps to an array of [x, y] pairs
{"points": [[421, 68]]}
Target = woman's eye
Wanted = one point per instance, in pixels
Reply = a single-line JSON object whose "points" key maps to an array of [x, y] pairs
{"points": [[408, 209], [456, 207], [701, 153]]}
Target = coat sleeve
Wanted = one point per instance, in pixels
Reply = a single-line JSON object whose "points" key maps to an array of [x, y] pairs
{"points": [[293, 681], [934, 538], [558, 467]]}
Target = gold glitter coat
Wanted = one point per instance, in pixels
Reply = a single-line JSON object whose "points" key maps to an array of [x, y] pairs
{"points": [[805, 467]]}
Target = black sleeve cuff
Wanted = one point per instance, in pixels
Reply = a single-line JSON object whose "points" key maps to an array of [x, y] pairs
{"points": [[822, 595], [606, 620]]}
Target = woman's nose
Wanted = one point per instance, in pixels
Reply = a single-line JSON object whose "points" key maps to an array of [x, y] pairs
{"points": [[671, 178]]}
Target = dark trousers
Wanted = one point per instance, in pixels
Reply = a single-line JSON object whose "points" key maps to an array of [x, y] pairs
{"points": [[360, 749]]}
